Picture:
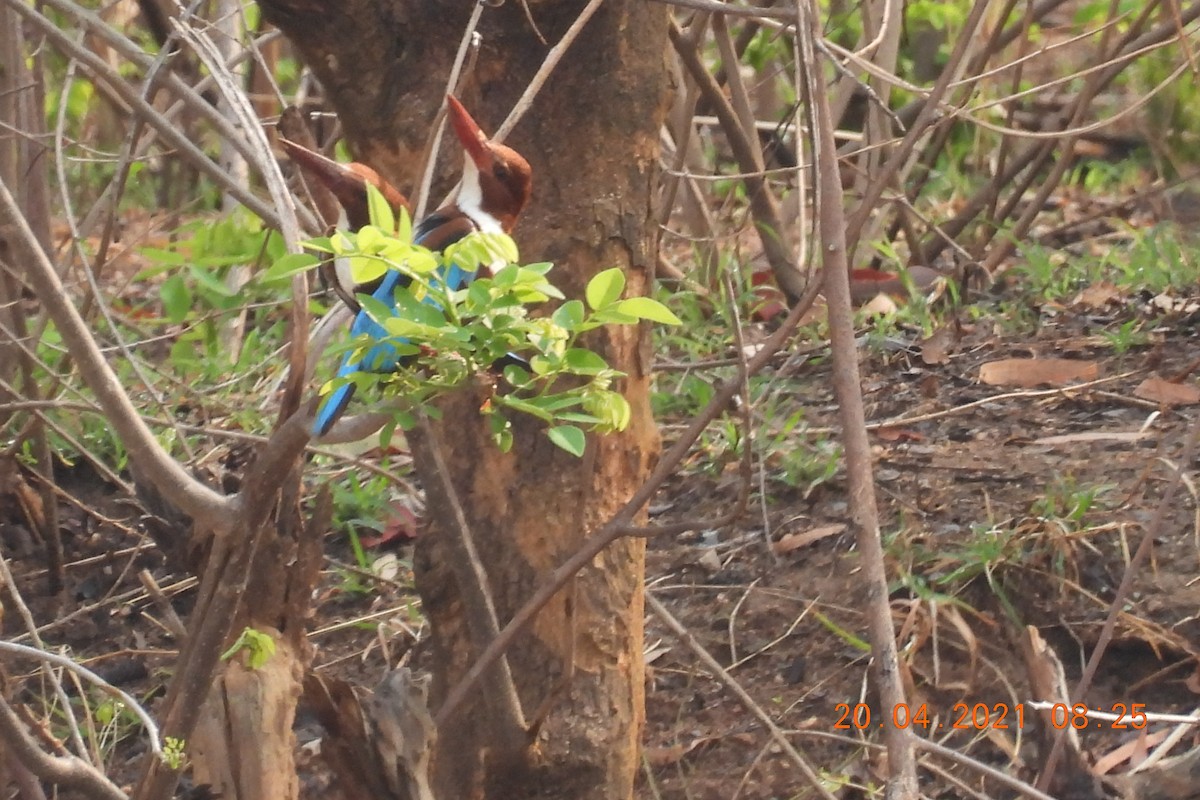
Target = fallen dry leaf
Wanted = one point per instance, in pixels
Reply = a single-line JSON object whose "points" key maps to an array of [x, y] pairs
{"points": [[1133, 751], [1158, 390], [1192, 682], [402, 526], [794, 541], [1030, 372], [1099, 295], [941, 343], [770, 301], [880, 304], [865, 284]]}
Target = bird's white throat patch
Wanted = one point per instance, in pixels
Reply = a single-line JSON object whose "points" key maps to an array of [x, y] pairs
{"points": [[470, 199]]}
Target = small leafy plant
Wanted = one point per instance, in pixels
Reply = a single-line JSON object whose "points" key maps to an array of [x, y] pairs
{"points": [[457, 334], [174, 752], [259, 647]]}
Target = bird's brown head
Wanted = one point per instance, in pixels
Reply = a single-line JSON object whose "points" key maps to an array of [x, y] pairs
{"points": [[347, 182], [502, 180]]}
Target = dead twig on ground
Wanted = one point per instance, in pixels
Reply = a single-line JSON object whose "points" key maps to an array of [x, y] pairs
{"points": [[731, 683]]}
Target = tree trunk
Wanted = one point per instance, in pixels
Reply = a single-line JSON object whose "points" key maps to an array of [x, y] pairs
{"points": [[243, 745], [592, 139]]}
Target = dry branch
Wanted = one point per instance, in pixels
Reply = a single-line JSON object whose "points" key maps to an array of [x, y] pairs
{"points": [[67, 771], [831, 224], [773, 233], [210, 509]]}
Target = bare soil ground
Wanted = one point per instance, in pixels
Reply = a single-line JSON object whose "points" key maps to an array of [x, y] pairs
{"points": [[975, 519], [1002, 507]]}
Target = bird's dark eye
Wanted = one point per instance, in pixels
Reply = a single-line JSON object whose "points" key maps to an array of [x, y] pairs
{"points": [[500, 170]]}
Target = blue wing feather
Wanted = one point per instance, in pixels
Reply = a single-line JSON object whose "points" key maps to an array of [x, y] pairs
{"points": [[437, 231]]}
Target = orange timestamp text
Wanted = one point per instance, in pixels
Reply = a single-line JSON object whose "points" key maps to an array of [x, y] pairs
{"points": [[996, 716]]}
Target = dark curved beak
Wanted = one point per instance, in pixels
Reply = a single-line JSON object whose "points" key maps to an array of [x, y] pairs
{"points": [[335, 175]]}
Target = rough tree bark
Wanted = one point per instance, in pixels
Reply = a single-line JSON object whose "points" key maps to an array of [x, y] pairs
{"points": [[243, 745], [592, 139]]}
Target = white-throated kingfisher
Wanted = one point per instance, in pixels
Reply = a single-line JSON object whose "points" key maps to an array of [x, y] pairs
{"points": [[496, 183], [348, 185]]}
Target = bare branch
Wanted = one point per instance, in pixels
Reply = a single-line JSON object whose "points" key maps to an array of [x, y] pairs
{"points": [[831, 222], [208, 508], [784, 14], [169, 132], [773, 233], [67, 771], [61, 661]]}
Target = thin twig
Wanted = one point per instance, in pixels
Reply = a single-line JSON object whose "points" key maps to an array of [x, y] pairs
{"points": [[67, 771], [544, 70], [190, 495], [773, 234], [6, 580], [731, 683], [170, 132], [783, 14], [984, 769], [430, 155], [831, 222], [62, 661]]}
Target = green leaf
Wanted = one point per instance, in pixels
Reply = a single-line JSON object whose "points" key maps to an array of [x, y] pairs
{"points": [[569, 315], [158, 255], [343, 242], [612, 409], [569, 438], [482, 249], [386, 433], [258, 646], [516, 375], [506, 276], [207, 280], [289, 265], [647, 308], [576, 416], [478, 294], [604, 289], [275, 247], [529, 407], [404, 226], [176, 298], [371, 239], [501, 431], [584, 362], [420, 261], [541, 267], [379, 211], [321, 244]]}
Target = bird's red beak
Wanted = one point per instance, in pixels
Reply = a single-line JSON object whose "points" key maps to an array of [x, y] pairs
{"points": [[474, 140]]}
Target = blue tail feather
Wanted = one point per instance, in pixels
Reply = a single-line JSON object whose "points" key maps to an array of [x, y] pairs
{"points": [[331, 409]]}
